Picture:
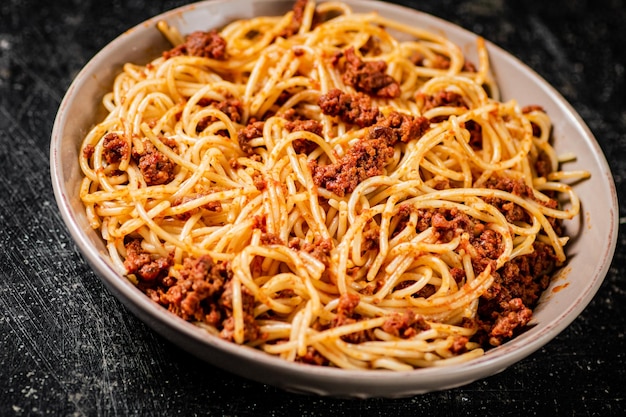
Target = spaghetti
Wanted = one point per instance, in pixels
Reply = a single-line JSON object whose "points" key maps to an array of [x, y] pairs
{"points": [[314, 186]]}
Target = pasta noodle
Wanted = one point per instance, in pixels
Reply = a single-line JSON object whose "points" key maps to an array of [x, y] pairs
{"points": [[330, 187]]}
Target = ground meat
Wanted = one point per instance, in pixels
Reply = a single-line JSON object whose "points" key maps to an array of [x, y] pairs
{"points": [[116, 148], [201, 44], [458, 274], [440, 183], [155, 167], [402, 216], [252, 131], [231, 106], [531, 108], [514, 186], [350, 108], [371, 47], [476, 134], [417, 58], [399, 127], [514, 316], [427, 291], [506, 307], [468, 66], [365, 159], [526, 277], [543, 165], [193, 296], [208, 276], [424, 218], [153, 269], [369, 77], [488, 246], [443, 98], [459, 345], [449, 223], [259, 222], [346, 315], [371, 235], [446, 223], [313, 357], [201, 290], [296, 19], [259, 181], [442, 62], [512, 211], [88, 151], [271, 239], [215, 206], [405, 325], [372, 287], [303, 145], [347, 303], [140, 263], [320, 248], [312, 126]]}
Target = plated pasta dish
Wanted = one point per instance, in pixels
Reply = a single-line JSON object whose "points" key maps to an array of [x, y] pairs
{"points": [[330, 187]]}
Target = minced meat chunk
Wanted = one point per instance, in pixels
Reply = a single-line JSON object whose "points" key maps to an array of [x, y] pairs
{"points": [[443, 98], [365, 159], [140, 263], [369, 77], [506, 307], [155, 166], [476, 133], [350, 108], [405, 325], [320, 248], [296, 19], [201, 44], [512, 211], [399, 127], [346, 315], [116, 148], [231, 106], [308, 125], [252, 131], [295, 124], [201, 290]]}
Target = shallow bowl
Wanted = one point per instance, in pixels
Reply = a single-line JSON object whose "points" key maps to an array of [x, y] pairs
{"points": [[590, 251]]}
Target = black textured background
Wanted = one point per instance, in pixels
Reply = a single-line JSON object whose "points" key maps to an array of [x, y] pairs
{"points": [[68, 348]]}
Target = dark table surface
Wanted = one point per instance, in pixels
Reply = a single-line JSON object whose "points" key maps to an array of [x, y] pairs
{"points": [[68, 347]]}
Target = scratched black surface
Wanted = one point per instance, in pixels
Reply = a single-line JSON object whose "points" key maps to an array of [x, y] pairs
{"points": [[67, 347]]}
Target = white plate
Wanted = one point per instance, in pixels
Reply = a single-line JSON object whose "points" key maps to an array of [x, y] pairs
{"points": [[590, 251]]}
